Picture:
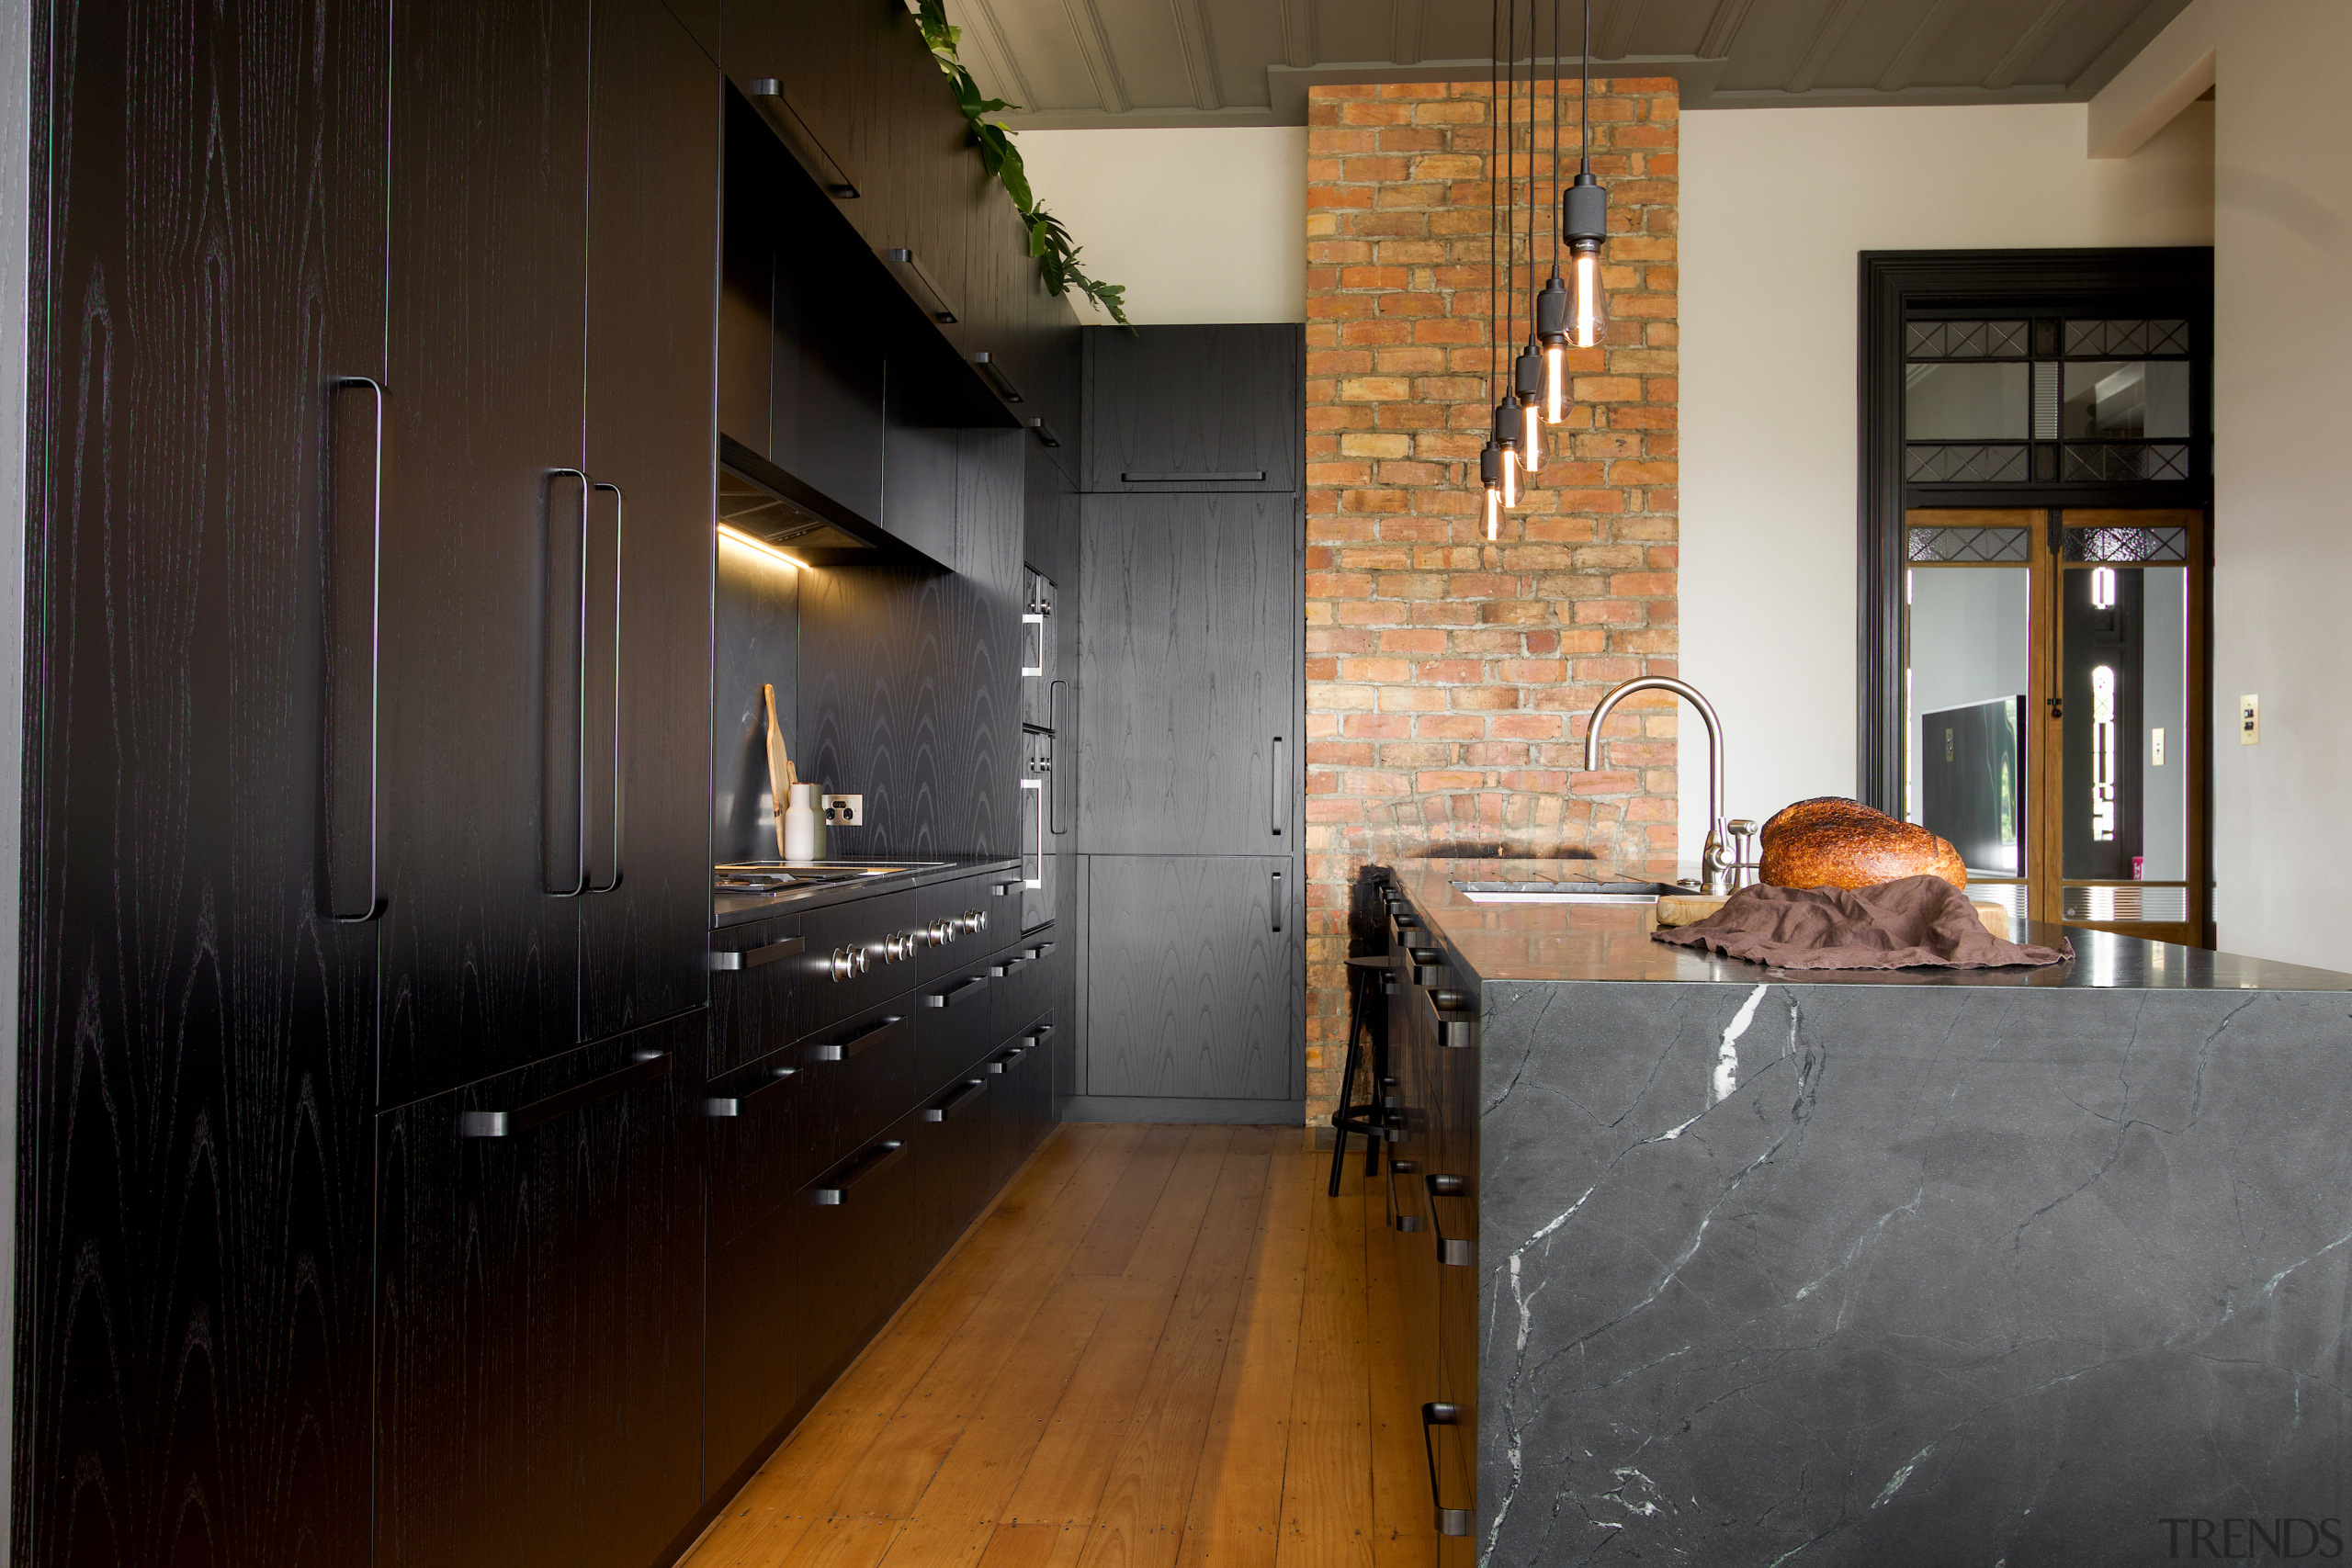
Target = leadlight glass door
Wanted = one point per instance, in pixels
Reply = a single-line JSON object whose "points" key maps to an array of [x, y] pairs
{"points": [[2055, 709]]}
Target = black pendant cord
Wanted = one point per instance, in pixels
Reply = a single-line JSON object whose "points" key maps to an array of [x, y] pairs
{"points": [[1584, 96], [1533, 203], [1494, 211], [1511, 181], [1558, 212]]}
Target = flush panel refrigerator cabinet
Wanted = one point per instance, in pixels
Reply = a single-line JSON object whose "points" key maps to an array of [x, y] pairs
{"points": [[1193, 408], [197, 1056]]}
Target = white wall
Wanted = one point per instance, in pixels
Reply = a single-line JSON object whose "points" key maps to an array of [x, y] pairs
{"points": [[1200, 225], [1775, 206], [2282, 378]]}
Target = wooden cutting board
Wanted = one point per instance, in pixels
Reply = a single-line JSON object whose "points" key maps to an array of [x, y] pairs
{"points": [[1682, 909]]}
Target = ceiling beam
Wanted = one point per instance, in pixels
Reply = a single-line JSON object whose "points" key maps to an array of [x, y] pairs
{"points": [[1002, 66], [1200, 54], [1722, 28], [1826, 40], [1095, 47], [1617, 34], [1924, 38], [1404, 37], [2012, 65]]}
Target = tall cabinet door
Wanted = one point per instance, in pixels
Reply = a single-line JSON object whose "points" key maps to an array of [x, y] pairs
{"points": [[653, 216], [486, 525], [1189, 640], [197, 1022], [1195, 975]]}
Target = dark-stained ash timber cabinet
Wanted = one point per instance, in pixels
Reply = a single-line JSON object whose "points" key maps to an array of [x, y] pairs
{"points": [[1192, 651], [1432, 1209], [412, 1174]]}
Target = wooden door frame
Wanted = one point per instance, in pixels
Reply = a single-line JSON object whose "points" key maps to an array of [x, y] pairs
{"points": [[2177, 281]]}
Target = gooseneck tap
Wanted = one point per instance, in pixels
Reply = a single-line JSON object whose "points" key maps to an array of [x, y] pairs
{"points": [[1715, 871]]}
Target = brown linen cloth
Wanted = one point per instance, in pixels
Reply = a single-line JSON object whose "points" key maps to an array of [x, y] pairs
{"points": [[1914, 922]]}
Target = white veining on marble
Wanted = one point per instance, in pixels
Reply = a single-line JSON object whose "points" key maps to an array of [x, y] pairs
{"points": [[1727, 1058], [1895, 1482]]}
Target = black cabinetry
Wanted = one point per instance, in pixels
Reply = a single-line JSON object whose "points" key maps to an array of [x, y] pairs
{"points": [[538, 1349], [197, 1067], [1191, 645]]}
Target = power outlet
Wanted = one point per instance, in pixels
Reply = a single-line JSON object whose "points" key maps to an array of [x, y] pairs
{"points": [[2249, 720], [843, 810]]}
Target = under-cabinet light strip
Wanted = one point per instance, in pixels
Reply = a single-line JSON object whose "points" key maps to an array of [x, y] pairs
{"points": [[749, 543]]}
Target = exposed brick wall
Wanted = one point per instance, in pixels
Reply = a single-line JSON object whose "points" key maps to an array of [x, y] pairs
{"points": [[1449, 678]]}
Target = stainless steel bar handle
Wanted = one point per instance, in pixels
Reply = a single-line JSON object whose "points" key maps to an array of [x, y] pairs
{"points": [[613, 674], [998, 380], [738, 1103], [753, 957], [1054, 722], [1039, 621], [857, 1040], [1455, 1252], [1036, 788], [966, 1093], [538, 1112], [1281, 815], [351, 704], [1277, 903], [1450, 1521], [837, 1192], [571, 727], [963, 990]]}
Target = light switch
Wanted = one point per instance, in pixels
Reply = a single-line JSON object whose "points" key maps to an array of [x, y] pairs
{"points": [[2250, 720], [2157, 747]]}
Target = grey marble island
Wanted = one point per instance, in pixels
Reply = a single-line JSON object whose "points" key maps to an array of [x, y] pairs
{"points": [[1996, 1266]]}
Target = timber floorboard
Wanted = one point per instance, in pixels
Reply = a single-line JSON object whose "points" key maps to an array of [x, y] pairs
{"points": [[1163, 1348]]}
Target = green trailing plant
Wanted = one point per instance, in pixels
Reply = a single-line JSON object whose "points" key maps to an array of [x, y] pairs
{"points": [[1049, 242]]}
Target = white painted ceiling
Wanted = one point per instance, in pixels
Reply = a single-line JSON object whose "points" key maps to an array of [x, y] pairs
{"points": [[1175, 62]]}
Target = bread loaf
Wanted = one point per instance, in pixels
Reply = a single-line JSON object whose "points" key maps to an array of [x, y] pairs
{"points": [[1831, 842]]}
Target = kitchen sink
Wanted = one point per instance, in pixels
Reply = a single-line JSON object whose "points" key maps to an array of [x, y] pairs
{"points": [[1570, 890]]}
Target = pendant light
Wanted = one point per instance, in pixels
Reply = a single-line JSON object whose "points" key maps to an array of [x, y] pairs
{"points": [[1497, 459], [1552, 304], [1527, 374], [1584, 221]]}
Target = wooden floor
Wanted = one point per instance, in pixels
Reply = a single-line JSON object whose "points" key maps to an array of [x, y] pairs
{"points": [[1164, 1347]]}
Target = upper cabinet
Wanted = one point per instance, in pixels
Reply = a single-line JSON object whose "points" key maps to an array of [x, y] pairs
{"points": [[1193, 409]]}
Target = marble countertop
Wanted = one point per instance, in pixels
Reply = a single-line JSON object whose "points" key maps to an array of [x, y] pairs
{"points": [[1555, 941]]}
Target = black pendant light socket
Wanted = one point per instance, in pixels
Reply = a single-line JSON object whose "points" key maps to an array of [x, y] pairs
{"points": [[1584, 210], [1490, 466], [1551, 311], [1527, 374], [1507, 423]]}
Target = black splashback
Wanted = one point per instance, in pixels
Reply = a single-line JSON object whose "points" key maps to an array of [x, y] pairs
{"points": [[755, 635], [909, 679]]}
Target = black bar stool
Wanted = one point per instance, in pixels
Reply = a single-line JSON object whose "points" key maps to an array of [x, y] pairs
{"points": [[1370, 1120]]}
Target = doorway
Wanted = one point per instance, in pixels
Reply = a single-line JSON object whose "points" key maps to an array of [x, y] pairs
{"points": [[2055, 709]]}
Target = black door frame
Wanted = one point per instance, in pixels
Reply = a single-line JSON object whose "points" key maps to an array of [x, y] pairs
{"points": [[2171, 280]]}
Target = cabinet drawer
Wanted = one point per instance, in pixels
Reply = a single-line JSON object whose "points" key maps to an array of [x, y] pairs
{"points": [[853, 1233], [757, 1004], [861, 1076], [954, 1023], [958, 1138]]}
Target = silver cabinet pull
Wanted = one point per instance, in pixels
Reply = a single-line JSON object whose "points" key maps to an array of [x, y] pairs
{"points": [[1455, 1252], [1006, 1062], [1397, 1218], [539, 1112], [1005, 890], [1281, 813], [1278, 903], [966, 1093], [857, 1040], [834, 1191], [1456, 1032], [1009, 963], [601, 667], [962, 991], [1043, 950], [1039, 621], [768, 93], [740, 1102], [354, 596], [1036, 788], [753, 957], [942, 309], [565, 711], [1036, 1037], [1436, 1414], [1254, 475], [1000, 382], [1053, 721]]}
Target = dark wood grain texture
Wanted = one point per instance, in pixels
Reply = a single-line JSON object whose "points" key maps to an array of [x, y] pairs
{"points": [[1169, 400], [487, 317], [196, 1035], [1191, 991], [1189, 641], [538, 1349], [653, 238]]}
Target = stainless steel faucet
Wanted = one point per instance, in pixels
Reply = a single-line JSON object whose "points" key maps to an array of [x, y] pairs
{"points": [[1716, 870]]}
